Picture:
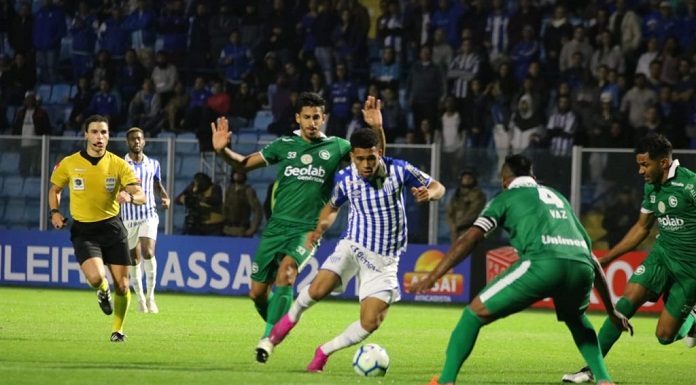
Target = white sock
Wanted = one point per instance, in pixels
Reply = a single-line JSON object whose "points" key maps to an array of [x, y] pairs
{"points": [[353, 334], [136, 279], [151, 276], [302, 303]]}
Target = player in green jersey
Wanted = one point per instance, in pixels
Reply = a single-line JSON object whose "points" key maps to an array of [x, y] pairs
{"points": [[555, 261], [306, 165], [670, 269]]}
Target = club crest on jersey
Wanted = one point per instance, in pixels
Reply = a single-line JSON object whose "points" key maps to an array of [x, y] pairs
{"points": [[324, 154], [640, 270], [652, 198], [306, 159], [661, 207], [254, 268], [78, 184], [110, 183], [672, 200]]}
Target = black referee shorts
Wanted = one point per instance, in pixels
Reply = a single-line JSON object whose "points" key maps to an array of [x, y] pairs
{"points": [[107, 239]]}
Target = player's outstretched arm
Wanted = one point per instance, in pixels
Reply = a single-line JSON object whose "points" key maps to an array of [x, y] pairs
{"points": [[132, 193], [461, 249], [633, 238], [602, 287], [222, 137], [372, 115]]}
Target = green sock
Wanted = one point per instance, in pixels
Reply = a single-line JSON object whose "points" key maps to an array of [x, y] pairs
{"points": [[686, 327], [609, 333], [278, 305], [586, 340], [460, 345], [263, 309]]}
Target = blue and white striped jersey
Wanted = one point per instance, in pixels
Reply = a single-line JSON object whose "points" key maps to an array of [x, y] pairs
{"points": [[147, 172], [377, 217]]}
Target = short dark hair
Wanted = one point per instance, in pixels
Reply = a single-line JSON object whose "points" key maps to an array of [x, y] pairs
{"points": [[94, 119], [364, 138], [134, 129], [519, 165], [656, 145], [310, 99]]}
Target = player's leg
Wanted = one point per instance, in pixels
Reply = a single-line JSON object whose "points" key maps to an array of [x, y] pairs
{"points": [[136, 278], [150, 266], [136, 273], [322, 285], [373, 310], [338, 268], [571, 299], [95, 273], [517, 288], [260, 293], [677, 317], [122, 297]]}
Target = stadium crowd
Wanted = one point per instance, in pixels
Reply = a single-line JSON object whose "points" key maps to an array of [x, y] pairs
{"points": [[509, 75]]}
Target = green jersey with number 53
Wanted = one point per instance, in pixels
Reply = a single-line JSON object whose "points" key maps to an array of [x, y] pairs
{"points": [[673, 204], [539, 220]]}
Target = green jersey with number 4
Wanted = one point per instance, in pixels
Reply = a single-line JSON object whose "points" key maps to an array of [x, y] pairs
{"points": [[673, 204], [305, 175], [539, 220]]}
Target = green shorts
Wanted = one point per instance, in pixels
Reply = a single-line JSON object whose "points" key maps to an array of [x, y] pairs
{"points": [[278, 240], [673, 280], [566, 281]]}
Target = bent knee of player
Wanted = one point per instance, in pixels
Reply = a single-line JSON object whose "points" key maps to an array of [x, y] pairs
{"points": [[121, 287], [371, 322], [479, 308], [665, 336]]}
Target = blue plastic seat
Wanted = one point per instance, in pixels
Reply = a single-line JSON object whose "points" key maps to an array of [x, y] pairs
{"points": [[13, 186], [60, 94], [43, 91], [263, 119], [9, 163]]}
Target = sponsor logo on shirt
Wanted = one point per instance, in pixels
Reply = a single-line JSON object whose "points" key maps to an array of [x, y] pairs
{"points": [[315, 174], [559, 240], [78, 184], [670, 223]]}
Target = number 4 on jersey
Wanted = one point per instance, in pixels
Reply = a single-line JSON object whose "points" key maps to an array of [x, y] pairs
{"points": [[550, 198]]}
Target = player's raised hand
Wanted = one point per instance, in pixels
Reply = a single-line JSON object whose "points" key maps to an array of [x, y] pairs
{"points": [[422, 194], [372, 114], [221, 133]]}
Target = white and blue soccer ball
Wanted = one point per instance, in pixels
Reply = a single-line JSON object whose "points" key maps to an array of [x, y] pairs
{"points": [[371, 360]]}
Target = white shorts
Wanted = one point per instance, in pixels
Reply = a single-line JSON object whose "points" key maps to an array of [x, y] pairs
{"points": [[376, 274], [143, 228]]}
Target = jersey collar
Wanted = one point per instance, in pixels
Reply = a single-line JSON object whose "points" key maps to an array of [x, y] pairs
{"points": [[299, 133], [523, 181], [673, 169], [129, 160]]}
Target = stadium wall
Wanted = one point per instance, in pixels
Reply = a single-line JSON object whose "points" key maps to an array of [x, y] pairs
{"points": [[218, 265]]}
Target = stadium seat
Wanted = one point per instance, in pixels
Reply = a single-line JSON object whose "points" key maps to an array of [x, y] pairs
{"points": [[247, 137], [15, 212], [13, 186], [43, 92], [263, 119], [60, 94], [32, 187], [267, 138], [190, 165], [9, 163]]}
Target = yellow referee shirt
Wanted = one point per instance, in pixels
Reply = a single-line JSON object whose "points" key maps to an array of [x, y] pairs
{"points": [[93, 188]]}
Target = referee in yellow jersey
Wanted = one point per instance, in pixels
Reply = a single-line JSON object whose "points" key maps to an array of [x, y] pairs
{"points": [[98, 181]]}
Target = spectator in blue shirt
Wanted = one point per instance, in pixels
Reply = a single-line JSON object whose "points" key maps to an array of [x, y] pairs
{"points": [[49, 28], [198, 98], [105, 103], [173, 27], [84, 40], [235, 59], [113, 35], [141, 25]]}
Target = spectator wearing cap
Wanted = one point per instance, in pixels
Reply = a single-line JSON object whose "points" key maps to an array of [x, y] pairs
{"points": [[31, 120], [465, 205]]}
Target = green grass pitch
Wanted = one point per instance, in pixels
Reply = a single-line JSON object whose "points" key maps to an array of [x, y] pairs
{"points": [[61, 337]]}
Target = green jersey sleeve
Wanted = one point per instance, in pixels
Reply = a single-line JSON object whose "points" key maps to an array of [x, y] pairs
{"points": [[271, 153], [492, 214]]}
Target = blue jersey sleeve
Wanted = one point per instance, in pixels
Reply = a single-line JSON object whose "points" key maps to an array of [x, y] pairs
{"points": [[338, 194], [413, 177], [157, 176]]}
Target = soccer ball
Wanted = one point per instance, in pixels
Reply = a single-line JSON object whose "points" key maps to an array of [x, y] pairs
{"points": [[371, 360]]}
